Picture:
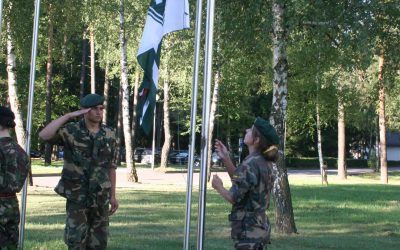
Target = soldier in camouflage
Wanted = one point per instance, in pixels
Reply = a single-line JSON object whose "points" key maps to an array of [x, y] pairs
{"points": [[252, 183], [14, 168], [88, 176]]}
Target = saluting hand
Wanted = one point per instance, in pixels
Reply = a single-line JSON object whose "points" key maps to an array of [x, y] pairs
{"points": [[78, 113]]}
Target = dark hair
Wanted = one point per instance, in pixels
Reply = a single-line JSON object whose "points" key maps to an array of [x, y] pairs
{"points": [[268, 150], [6, 117]]}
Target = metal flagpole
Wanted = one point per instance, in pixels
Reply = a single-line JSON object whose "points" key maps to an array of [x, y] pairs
{"points": [[205, 123], [153, 144], [29, 117], [193, 123], [1, 17]]}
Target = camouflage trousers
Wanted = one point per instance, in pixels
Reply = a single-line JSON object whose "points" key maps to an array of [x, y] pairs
{"points": [[86, 227], [9, 222], [249, 245]]}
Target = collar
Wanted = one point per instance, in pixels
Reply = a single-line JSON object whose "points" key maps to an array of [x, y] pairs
{"points": [[82, 126]]}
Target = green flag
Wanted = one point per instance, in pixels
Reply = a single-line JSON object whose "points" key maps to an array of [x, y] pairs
{"points": [[164, 16]]}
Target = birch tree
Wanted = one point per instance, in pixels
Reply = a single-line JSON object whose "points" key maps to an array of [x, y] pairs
{"points": [[125, 98], [284, 218], [12, 85]]}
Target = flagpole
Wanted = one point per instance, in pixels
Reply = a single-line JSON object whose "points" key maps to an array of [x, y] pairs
{"points": [[153, 144], [193, 114], [29, 117], [205, 122]]}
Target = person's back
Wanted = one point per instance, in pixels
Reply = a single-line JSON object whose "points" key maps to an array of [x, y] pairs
{"points": [[14, 168]]}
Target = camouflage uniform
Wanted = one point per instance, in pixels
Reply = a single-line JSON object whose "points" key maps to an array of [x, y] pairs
{"points": [[85, 183], [14, 168], [251, 188]]}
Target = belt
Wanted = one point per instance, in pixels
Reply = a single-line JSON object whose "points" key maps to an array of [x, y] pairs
{"points": [[8, 195]]}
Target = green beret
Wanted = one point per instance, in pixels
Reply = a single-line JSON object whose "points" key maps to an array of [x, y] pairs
{"points": [[91, 100], [267, 130]]}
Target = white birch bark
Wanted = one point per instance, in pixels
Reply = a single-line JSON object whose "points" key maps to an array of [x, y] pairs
{"points": [[125, 98], [213, 110], [13, 88], [92, 63], [167, 129], [284, 218], [106, 90]]}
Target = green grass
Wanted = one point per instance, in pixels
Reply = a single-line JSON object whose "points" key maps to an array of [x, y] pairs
{"points": [[358, 213]]}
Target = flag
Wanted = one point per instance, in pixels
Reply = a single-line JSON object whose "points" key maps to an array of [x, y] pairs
{"points": [[164, 16]]}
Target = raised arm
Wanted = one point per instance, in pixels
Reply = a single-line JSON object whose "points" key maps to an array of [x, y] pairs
{"points": [[223, 152], [50, 130]]}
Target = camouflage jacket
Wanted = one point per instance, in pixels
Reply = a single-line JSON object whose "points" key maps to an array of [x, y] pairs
{"points": [[87, 161], [14, 165], [251, 188]]}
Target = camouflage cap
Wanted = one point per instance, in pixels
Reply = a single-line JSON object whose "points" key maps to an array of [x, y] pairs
{"points": [[267, 130], [91, 100]]}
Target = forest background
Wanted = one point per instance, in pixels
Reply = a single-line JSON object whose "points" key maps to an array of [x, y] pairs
{"points": [[343, 71]]}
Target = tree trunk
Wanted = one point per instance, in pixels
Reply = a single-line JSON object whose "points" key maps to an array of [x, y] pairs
{"points": [[342, 170], [106, 90], [120, 132], [83, 64], [134, 113], [377, 147], [125, 98], [284, 218], [213, 109], [319, 137], [320, 156], [92, 63], [167, 130], [228, 133], [49, 75], [13, 89], [382, 123]]}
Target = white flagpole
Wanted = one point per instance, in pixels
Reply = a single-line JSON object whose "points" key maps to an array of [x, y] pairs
{"points": [[29, 117], [153, 144], [193, 123], [206, 121]]}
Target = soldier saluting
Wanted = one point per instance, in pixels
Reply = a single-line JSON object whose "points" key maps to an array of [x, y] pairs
{"points": [[252, 183], [14, 168], [88, 176]]}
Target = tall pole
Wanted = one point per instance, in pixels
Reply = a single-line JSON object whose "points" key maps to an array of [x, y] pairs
{"points": [[193, 114], [205, 123], [153, 144], [29, 117]]}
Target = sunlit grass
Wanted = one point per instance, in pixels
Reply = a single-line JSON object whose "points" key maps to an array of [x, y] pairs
{"points": [[357, 213]]}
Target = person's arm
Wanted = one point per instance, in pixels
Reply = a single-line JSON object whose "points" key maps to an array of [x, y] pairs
{"points": [[218, 185], [51, 129], [223, 152], [113, 200]]}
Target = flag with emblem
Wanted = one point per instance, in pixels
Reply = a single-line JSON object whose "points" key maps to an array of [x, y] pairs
{"points": [[164, 16]]}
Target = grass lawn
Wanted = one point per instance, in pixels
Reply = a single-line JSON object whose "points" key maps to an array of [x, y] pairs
{"points": [[358, 213]]}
